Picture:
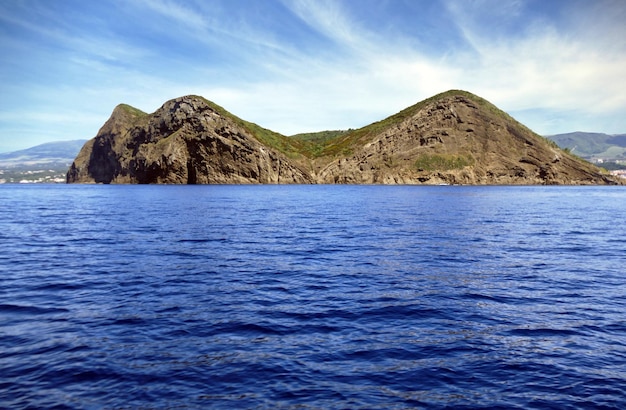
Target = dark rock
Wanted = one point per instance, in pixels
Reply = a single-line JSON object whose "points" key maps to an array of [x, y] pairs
{"points": [[186, 141]]}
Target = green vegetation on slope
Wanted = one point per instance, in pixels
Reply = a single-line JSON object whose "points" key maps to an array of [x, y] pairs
{"points": [[135, 112], [314, 143], [319, 137]]}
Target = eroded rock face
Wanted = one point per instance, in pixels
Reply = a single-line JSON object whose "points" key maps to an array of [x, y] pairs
{"points": [[455, 141], [453, 138], [185, 142]]}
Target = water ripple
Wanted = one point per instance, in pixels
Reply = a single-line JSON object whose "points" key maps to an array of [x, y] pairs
{"points": [[312, 297]]}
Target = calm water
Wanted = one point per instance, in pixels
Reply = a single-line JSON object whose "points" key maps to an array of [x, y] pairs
{"points": [[312, 297]]}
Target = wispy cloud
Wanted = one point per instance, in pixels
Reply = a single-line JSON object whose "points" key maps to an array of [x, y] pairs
{"points": [[548, 65], [182, 16], [306, 65], [328, 18]]}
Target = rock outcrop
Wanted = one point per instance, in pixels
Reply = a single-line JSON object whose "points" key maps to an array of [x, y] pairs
{"points": [[456, 138], [452, 138], [187, 141]]}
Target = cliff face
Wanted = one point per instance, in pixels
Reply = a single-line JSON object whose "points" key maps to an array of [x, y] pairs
{"points": [[186, 141], [453, 138]]}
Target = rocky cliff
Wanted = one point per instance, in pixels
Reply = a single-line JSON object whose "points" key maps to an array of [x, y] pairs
{"points": [[187, 141], [452, 138]]}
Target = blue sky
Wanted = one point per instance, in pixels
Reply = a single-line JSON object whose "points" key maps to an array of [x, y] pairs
{"points": [[308, 65]]}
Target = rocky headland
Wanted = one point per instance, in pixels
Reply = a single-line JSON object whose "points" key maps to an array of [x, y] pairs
{"points": [[452, 138]]}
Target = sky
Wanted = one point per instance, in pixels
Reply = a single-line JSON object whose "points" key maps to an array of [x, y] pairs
{"points": [[308, 65]]}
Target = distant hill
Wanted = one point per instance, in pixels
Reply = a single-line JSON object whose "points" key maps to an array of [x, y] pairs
{"points": [[452, 138], [590, 145], [43, 163], [51, 152]]}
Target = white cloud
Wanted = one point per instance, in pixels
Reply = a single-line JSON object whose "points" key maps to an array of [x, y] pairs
{"points": [[550, 73], [367, 79], [547, 66]]}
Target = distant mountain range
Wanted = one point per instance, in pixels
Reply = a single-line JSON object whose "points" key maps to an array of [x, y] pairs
{"points": [[592, 145], [47, 162], [48, 153]]}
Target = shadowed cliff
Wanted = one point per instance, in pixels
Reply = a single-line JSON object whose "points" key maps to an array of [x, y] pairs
{"points": [[187, 141]]}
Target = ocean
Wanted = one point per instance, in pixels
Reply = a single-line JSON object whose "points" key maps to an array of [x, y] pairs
{"points": [[312, 297]]}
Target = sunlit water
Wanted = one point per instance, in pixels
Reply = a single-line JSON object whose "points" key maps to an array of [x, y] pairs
{"points": [[312, 297]]}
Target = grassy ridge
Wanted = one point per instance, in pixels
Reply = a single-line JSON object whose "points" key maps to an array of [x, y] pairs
{"points": [[319, 137], [316, 142], [135, 112]]}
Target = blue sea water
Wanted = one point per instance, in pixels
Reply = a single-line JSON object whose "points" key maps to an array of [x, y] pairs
{"points": [[307, 297]]}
